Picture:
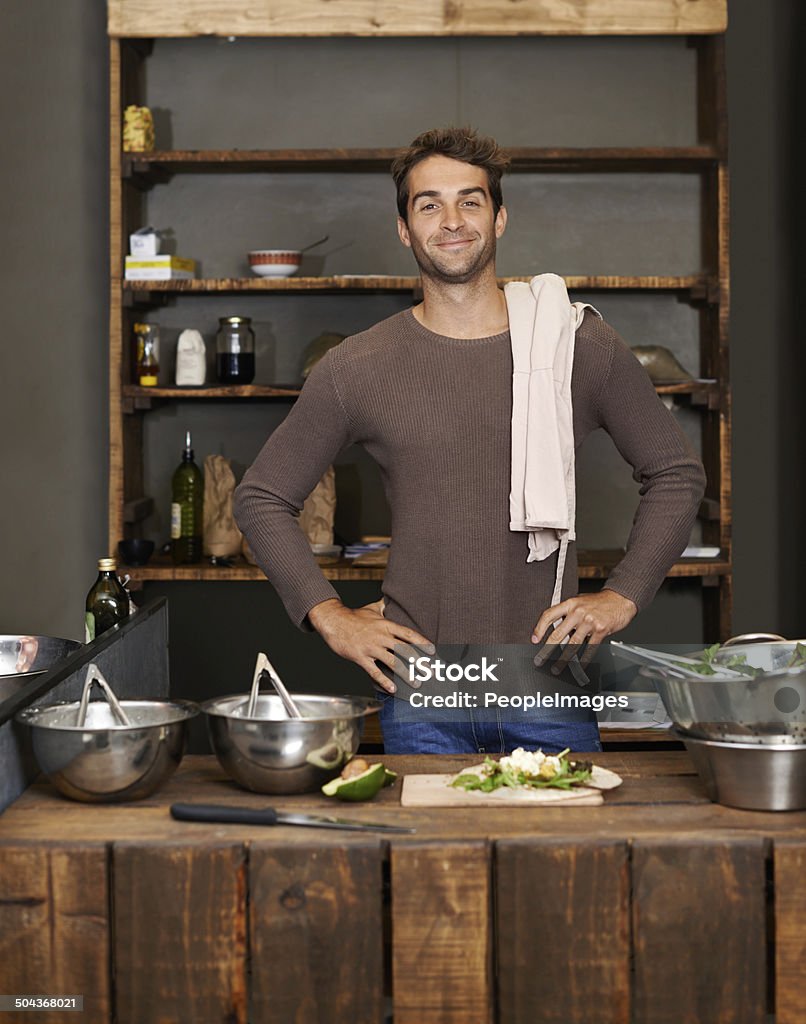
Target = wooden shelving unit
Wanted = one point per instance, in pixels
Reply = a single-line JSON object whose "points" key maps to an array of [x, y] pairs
{"points": [[132, 26]]}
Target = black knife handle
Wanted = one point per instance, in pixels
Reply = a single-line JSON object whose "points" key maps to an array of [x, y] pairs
{"points": [[224, 814]]}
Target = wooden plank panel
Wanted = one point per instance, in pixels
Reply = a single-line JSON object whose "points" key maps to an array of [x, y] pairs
{"points": [[180, 933], [562, 931], [790, 932], [150, 18], [316, 933], [441, 933], [54, 928], [699, 932]]}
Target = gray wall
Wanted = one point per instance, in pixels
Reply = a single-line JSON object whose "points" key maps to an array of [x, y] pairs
{"points": [[53, 311], [53, 274]]}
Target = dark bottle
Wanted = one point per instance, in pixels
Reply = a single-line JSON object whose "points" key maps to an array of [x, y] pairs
{"points": [[235, 350], [107, 602], [187, 496]]}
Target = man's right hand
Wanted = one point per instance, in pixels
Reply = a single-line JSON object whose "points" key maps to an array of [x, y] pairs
{"points": [[364, 636]]}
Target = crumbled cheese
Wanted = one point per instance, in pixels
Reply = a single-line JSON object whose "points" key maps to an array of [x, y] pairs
{"points": [[534, 763], [528, 761]]}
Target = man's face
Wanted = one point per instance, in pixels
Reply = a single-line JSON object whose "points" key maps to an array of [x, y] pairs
{"points": [[451, 227]]}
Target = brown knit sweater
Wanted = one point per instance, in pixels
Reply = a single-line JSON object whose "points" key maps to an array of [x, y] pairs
{"points": [[434, 412]]}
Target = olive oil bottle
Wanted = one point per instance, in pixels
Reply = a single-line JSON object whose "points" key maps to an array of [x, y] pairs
{"points": [[107, 602], [187, 496]]}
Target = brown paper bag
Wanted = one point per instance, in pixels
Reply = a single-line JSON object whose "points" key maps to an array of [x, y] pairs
{"points": [[221, 536], [319, 511]]}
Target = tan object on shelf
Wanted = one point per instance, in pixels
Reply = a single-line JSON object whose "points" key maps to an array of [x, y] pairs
{"points": [[221, 536], [661, 364], [138, 130], [319, 510]]}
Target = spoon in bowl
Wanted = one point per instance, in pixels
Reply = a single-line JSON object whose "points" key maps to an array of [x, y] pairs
{"points": [[313, 245]]}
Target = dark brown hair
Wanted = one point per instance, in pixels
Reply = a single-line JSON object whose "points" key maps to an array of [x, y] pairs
{"points": [[459, 144]]}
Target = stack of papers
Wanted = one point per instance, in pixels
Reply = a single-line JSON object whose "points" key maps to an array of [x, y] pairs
{"points": [[160, 268]]}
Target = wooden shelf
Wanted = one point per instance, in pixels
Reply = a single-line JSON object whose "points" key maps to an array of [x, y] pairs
{"points": [[597, 565], [157, 166], [699, 286], [700, 392], [593, 565], [137, 394], [160, 567]]}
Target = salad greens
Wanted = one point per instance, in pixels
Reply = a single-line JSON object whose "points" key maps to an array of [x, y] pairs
{"points": [[709, 665], [564, 775]]}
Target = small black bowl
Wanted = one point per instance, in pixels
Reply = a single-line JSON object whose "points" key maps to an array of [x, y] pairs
{"points": [[136, 552]]}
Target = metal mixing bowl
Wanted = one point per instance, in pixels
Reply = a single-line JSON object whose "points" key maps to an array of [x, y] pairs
{"points": [[271, 753], [755, 777], [770, 709], [22, 655], [103, 761]]}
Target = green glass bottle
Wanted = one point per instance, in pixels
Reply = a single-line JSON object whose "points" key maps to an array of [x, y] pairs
{"points": [[107, 602], [187, 496]]}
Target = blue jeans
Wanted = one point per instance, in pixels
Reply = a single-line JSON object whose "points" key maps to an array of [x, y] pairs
{"points": [[475, 732]]}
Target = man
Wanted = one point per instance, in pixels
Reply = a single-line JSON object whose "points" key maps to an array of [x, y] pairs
{"points": [[428, 393]]}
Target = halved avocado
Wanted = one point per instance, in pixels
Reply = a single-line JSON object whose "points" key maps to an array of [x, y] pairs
{"points": [[359, 787]]}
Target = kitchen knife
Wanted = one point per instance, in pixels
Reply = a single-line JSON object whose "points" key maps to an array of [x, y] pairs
{"points": [[229, 815]]}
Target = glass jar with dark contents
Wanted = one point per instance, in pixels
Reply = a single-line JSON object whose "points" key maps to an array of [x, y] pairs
{"points": [[235, 350]]}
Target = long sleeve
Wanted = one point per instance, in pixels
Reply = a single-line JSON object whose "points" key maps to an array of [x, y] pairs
{"points": [[671, 476], [268, 500]]}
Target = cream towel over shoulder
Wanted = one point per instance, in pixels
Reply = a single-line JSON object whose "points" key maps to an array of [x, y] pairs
{"points": [[542, 500]]}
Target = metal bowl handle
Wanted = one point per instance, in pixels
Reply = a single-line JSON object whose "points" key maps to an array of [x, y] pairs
{"points": [[753, 638]]}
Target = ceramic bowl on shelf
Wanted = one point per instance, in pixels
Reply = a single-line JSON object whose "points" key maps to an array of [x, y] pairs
{"points": [[275, 262], [136, 551]]}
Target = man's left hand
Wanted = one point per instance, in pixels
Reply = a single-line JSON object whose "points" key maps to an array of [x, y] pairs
{"points": [[588, 617]]}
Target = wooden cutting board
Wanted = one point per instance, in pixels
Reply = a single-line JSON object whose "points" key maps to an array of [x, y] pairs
{"points": [[435, 791]]}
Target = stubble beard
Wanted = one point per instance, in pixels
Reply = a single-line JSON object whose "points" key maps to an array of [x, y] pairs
{"points": [[450, 269]]}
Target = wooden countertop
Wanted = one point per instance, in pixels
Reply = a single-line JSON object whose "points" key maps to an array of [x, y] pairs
{"points": [[661, 796], [658, 907]]}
